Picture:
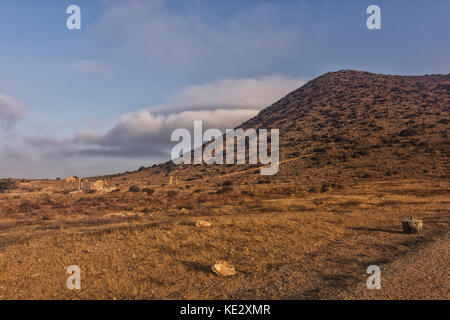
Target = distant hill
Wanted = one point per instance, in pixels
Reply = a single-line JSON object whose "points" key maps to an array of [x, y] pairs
{"points": [[370, 125], [352, 125]]}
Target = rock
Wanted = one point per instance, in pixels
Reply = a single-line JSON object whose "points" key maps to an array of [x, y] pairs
{"points": [[223, 268], [203, 223], [412, 226], [71, 179]]}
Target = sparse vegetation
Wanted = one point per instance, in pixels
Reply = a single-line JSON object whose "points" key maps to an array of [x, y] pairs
{"points": [[172, 193], [134, 188], [5, 184], [149, 191], [408, 132], [224, 190]]}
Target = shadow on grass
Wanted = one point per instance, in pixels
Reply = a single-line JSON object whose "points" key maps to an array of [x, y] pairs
{"points": [[197, 266], [377, 230]]}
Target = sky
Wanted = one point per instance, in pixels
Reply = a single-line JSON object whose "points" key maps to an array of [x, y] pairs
{"points": [[105, 98]]}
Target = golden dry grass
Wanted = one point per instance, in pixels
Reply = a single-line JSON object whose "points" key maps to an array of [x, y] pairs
{"points": [[302, 246]]}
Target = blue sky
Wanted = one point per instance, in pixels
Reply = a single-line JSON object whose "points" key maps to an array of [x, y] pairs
{"points": [[105, 98]]}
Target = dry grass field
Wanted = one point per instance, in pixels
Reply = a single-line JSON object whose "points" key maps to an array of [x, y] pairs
{"points": [[299, 246], [359, 154]]}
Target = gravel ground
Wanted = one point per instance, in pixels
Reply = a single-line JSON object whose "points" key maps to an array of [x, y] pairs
{"points": [[421, 274]]}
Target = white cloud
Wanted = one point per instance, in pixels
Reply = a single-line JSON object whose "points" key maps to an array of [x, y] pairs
{"points": [[220, 104], [11, 110], [241, 93], [143, 136]]}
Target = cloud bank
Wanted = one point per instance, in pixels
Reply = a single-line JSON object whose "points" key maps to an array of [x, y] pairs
{"points": [[220, 104], [144, 135]]}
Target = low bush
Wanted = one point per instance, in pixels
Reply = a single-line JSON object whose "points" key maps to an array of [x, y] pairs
{"points": [[149, 191], [408, 132], [172, 193], [134, 188], [224, 190]]}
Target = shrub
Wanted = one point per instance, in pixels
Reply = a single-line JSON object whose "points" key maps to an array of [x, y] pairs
{"points": [[134, 188], [47, 199], [172, 193], [312, 190], [149, 191], [320, 150], [195, 177], [27, 206], [363, 152], [350, 203], [224, 190], [5, 184], [408, 132], [248, 193]]}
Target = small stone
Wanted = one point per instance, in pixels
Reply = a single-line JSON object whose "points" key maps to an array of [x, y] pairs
{"points": [[223, 268], [203, 223], [412, 226]]}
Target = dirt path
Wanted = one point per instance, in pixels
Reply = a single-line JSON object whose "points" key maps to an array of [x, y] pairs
{"points": [[253, 169], [421, 274]]}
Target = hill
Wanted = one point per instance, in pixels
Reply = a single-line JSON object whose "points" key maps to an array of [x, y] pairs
{"points": [[350, 125]]}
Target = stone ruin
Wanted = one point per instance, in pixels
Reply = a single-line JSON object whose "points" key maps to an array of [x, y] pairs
{"points": [[98, 185], [71, 179], [86, 185], [173, 180]]}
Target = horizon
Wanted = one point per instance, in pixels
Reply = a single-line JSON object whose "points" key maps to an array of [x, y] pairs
{"points": [[103, 99]]}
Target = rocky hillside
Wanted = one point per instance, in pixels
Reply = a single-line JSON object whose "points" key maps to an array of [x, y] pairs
{"points": [[368, 125], [346, 126]]}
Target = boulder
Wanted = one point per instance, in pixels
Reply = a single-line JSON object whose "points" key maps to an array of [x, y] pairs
{"points": [[203, 223], [71, 179], [412, 226], [223, 268]]}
